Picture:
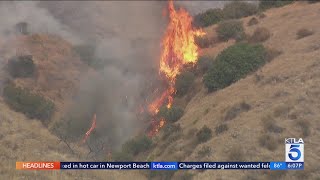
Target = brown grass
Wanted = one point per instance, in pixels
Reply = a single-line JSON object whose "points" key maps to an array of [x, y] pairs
{"points": [[204, 151], [282, 110], [269, 124], [305, 127], [272, 53], [236, 154], [261, 34], [235, 110], [268, 142]]}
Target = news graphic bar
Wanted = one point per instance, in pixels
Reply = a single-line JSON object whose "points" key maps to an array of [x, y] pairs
{"points": [[38, 165], [286, 165], [160, 165], [164, 166]]}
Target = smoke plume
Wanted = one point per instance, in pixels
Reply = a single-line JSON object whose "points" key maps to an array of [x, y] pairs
{"points": [[127, 36]]}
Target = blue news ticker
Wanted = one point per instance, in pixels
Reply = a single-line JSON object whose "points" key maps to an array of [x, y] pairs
{"points": [[184, 165], [286, 165], [164, 165]]}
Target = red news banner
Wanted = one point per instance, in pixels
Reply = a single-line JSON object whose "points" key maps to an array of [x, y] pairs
{"points": [[37, 165]]}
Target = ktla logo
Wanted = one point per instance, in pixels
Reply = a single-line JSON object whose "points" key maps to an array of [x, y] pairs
{"points": [[294, 150]]}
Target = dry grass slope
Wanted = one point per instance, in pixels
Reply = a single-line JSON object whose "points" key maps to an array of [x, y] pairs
{"points": [[58, 73], [287, 90]]}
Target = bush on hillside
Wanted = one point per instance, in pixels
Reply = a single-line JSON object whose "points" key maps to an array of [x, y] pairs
{"points": [[204, 63], [267, 4], [237, 9], [21, 66], [230, 29], [32, 105], [261, 34], [172, 114], [183, 82], [221, 128], [234, 63], [207, 18], [137, 145], [204, 134], [303, 33], [170, 128], [253, 21], [204, 41], [236, 110], [262, 15]]}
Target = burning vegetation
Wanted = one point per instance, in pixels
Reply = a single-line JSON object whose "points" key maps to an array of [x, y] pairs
{"points": [[178, 50]]}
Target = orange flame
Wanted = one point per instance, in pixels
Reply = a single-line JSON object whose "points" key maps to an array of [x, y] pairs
{"points": [[179, 49], [93, 126]]}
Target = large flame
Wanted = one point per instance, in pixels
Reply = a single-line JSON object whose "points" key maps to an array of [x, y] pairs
{"points": [[178, 49]]}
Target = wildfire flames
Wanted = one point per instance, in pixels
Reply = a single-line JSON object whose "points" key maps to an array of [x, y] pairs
{"points": [[178, 49]]}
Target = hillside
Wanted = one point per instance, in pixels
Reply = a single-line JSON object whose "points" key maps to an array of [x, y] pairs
{"points": [[59, 71], [282, 93]]}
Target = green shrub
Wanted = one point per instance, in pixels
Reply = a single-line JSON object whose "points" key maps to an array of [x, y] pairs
{"points": [[230, 29], [207, 18], [221, 128], [183, 82], [21, 66], [236, 10], [204, 134], [32, 105], [204, 63], [234, 63], [304, 33], [172, 114], [137, 145], [267, 4], [261, 34]]}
